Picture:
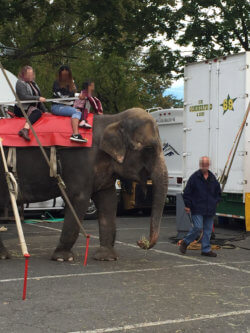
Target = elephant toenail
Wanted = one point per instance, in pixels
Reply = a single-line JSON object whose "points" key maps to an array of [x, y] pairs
{"points": [[60, 259]]}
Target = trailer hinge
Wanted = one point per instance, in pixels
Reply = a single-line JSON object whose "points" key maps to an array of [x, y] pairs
{"points": [[242, 68], [243, 182], [241, 153], [187, 78], [187, 129], [186, 154], [244, 95]]}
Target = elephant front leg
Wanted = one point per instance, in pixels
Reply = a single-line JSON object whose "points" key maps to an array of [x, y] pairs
{"points": [[106, 203], [4, 254], [70, 232]]}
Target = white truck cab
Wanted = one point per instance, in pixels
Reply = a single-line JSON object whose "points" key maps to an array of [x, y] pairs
{"points": [[170, 124]]}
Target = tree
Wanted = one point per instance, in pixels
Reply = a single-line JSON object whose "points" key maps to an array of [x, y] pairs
{"points": [[39, 27], [212, 27], [111, 41]]}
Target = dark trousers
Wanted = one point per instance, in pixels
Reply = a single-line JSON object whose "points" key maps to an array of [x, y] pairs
{"points": [[33, 117]]}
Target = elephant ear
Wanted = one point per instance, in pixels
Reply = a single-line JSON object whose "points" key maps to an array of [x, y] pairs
{"points": [[113, 142]]}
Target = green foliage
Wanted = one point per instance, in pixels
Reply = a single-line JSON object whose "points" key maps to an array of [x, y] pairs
{"points": [[120, 44], [107, 41], [213, 27]]}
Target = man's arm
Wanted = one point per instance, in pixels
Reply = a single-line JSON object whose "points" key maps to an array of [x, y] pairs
{"points": [[218, 192], [187, 195]]}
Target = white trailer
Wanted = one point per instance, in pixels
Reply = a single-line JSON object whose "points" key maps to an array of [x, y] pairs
{"points": [[170, 124], [216, 96]]}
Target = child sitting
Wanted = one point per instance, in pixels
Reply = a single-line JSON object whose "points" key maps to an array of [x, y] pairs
{"points": [[86, 101]]}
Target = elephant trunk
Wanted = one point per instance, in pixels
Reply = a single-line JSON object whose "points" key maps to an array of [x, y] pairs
{"points": [[159, 178]]}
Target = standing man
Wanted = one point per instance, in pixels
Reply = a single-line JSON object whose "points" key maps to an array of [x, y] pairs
{"points": [[201, 196]]}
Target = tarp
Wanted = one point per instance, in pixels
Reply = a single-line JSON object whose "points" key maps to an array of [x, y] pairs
{"points": [[51, 130]]}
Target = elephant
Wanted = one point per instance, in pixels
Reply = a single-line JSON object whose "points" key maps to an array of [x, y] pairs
{"points": [[125, 146]]}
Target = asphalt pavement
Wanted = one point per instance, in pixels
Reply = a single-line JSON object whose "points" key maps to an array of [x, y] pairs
{"points": [[158, 290]]}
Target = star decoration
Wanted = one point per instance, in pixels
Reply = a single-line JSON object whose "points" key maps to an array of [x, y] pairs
{"points": [[228, 104]]}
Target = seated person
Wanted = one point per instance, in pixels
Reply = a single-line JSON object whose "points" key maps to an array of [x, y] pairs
{"points": [[64, 87], [86, 103], [27, 89]]}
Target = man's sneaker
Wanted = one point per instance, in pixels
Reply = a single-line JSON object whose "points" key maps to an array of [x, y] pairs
{"points": [[209, 254], [183, 247], [78, 138]]}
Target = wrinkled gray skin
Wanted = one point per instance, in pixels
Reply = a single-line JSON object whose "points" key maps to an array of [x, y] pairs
{"points": [[125, 145]]}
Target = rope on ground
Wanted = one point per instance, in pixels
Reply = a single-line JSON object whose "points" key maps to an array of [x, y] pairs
{"points": [[218, 243], [50, 219]]}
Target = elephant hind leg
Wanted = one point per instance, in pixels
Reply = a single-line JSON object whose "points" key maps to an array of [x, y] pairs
{"points": [[4, 254], [106, 203]]}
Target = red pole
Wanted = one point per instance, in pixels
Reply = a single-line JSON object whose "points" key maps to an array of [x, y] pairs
{"points": [[26, 256], [87, 250]]}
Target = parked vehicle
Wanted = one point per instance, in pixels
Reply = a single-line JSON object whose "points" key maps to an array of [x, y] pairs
{"points": [[170, 124], [216, 95], [57, 205]]}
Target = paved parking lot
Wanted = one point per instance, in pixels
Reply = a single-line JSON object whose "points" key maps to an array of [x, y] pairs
{"points": [[158, 290]]}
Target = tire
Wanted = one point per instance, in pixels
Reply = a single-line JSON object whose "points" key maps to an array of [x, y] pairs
{"points": [[91, 213]]}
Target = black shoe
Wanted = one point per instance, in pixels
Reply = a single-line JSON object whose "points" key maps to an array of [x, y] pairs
{"points": [[209, 254], [24, 133], [183, 247], [78, 138]]}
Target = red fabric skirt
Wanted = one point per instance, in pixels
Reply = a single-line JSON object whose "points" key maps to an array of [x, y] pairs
{"points": [[51, 130]]}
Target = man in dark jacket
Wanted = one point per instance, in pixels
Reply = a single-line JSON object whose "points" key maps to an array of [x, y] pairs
{"points": [[201, 196]]}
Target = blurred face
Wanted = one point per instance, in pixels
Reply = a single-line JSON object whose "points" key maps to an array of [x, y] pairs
{"points": [[91, 88], [204, 164], [64, 75], [29, 75]]}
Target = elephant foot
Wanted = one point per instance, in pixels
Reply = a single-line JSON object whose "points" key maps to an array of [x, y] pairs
{"points": [[63, 255], [105, 253], [4, 254]]}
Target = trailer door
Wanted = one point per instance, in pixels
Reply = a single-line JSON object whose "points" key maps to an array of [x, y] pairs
{"points": [[197, 103], [229, 106]]}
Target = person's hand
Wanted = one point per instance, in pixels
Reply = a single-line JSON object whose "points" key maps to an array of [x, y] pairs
{"points": [[187, 210], [42, 99]]}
